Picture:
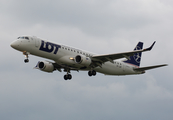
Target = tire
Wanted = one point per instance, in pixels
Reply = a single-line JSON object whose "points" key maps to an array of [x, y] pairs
{"points": [[69, 76], [90, 73], [65, 77], [93, 72], [26, 60]]}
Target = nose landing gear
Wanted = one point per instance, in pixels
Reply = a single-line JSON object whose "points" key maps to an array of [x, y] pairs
{"points": [[26, 55], [26, 60]]}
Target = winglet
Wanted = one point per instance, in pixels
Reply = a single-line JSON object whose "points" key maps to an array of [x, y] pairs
{"points": [[148, 49]]}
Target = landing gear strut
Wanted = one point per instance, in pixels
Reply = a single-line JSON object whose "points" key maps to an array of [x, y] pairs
{"points": [[92, 73], [26, 55]]}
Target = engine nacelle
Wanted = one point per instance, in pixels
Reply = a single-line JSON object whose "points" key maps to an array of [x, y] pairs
{"points": [[45, 66], [83, 60]]}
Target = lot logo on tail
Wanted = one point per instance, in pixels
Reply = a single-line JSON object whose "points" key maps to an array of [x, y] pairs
{"points": [[137, 56]]}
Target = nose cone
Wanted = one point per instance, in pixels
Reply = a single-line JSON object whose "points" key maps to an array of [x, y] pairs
{"points": [[15, 44]]}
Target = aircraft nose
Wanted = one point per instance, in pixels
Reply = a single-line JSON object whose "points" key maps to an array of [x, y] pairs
{"points": [[14, 44]]}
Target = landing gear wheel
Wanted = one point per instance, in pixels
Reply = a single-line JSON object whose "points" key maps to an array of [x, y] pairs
{"points": [[65, 77], [92, 73], [68, 76], [26, 60]]}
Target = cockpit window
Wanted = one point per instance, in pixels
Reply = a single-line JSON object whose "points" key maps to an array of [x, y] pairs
{"points": [[27, 38]]}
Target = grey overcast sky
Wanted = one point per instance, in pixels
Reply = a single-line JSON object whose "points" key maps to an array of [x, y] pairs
{"points": [[99, 26]]}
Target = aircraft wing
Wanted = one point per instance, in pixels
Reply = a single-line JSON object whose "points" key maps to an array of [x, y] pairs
{"points": [[149, 67], [111, 57]]}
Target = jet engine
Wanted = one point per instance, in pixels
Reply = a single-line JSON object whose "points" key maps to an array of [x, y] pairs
{"points": [[83, 60], [45, 66]]}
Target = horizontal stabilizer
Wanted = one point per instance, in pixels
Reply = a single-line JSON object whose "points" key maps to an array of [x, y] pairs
{"points": [[149, 67]]}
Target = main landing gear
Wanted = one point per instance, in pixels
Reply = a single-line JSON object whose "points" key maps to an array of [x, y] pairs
{"points": [[26, 55], [67, 77], [92, 73]]}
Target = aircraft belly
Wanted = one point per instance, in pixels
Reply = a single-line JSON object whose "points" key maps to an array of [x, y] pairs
{"points": [[110, 69]]}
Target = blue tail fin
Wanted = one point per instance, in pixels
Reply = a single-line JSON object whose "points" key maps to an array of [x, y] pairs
{"points": [[136, 58]]}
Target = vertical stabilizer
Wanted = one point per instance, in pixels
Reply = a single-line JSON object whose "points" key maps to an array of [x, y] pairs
{"points": [[136, 58]]}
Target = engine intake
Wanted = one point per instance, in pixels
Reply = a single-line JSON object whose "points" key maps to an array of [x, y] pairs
{"points": [[45, 66], [83, 60], [78, 59]]}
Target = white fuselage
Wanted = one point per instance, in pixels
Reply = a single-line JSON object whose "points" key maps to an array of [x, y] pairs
{"points": [[64, 55]]}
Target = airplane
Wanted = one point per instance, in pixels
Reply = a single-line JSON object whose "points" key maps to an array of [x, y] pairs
{"points": [[72, 59]]}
